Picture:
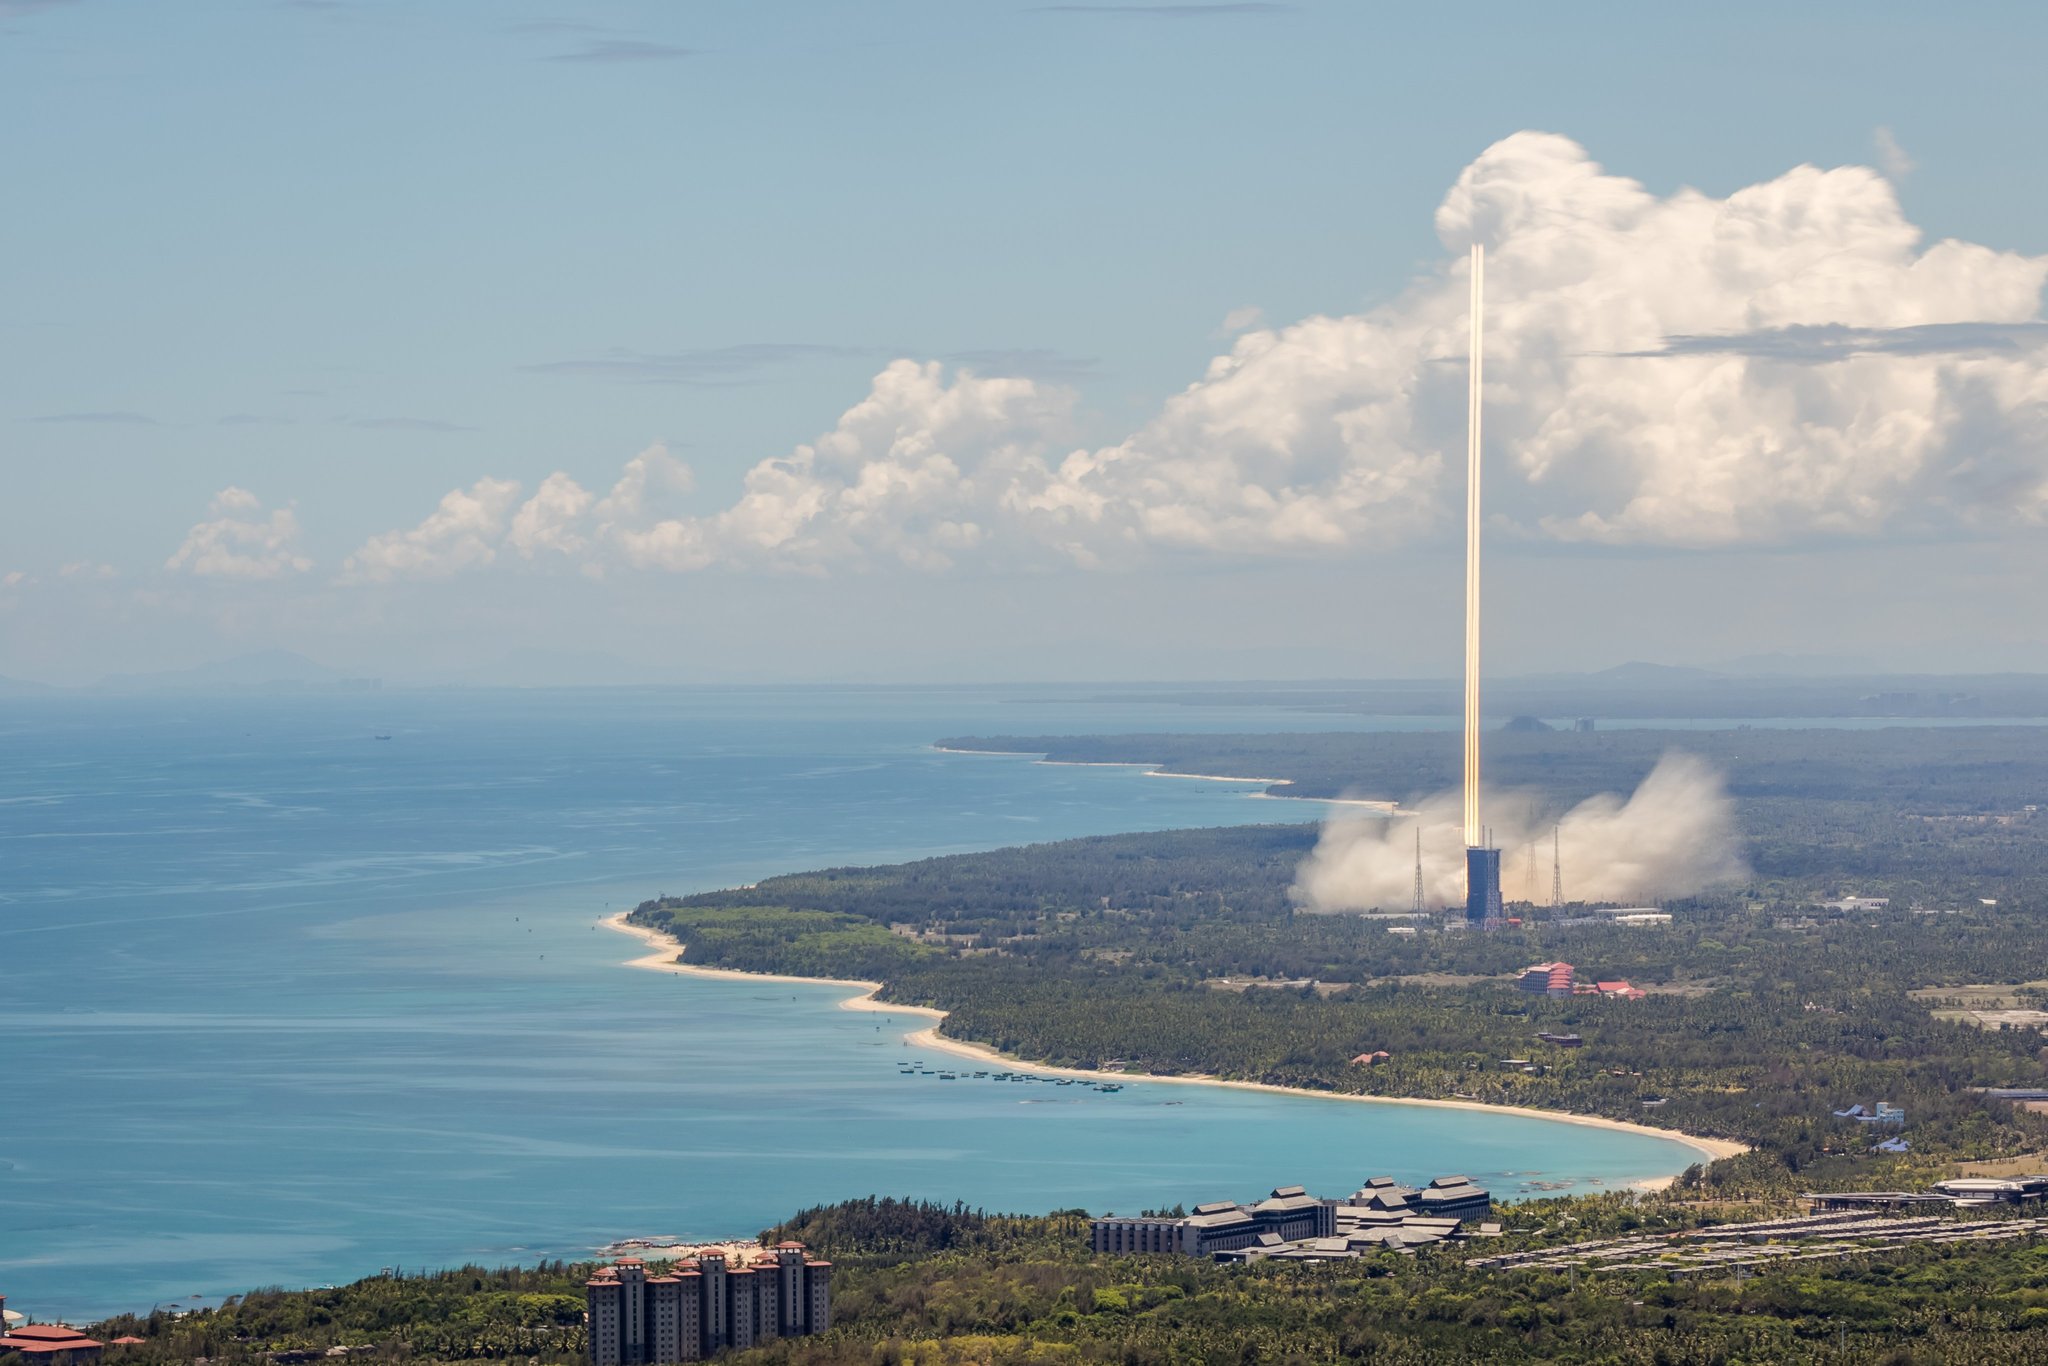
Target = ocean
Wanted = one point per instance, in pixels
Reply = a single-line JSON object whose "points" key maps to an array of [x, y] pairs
{"points": [[287, 1002]]}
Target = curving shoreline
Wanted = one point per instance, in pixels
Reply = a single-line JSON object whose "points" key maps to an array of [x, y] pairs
{"points": [[664, 958]]}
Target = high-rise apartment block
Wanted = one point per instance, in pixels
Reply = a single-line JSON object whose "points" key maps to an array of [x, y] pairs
{"points": [[702, 1306]]}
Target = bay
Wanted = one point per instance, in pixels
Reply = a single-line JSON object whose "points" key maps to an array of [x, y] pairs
{"points": [[286, 1002]]}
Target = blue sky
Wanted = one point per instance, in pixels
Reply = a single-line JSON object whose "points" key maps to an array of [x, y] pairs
{"points": [[350, 257]]}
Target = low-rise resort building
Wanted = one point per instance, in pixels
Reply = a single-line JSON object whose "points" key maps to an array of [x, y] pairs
{"points": [[1962, 1193], [702, 1306], [52, 1343], [1292, 1225]]}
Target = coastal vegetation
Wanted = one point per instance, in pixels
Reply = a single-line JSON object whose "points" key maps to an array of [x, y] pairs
{"points": [[917, 1284], [1182, 953]]}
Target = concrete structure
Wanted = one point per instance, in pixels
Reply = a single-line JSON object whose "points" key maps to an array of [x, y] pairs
{"points": [[1293, 1225], [702, 1306]]}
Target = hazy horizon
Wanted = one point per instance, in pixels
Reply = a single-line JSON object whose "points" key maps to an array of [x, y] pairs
{"points": [[964, 343]]}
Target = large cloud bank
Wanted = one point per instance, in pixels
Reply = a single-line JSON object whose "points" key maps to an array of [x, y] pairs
{"points": [[1673, 836], [1791, 361]]}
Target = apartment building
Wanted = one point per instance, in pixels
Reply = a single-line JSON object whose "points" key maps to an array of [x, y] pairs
{"points": [[702, 1305]]}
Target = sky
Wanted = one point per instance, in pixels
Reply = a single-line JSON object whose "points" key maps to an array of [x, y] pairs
{"points": [[651, 339]]}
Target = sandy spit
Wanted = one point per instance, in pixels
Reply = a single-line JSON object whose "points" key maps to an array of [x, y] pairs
{"points": [[663, 959], [1153, 771]]}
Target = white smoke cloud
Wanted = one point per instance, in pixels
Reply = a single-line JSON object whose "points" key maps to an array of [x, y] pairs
{"points": [[1662, 370], [1674, 836], [239, 542]]}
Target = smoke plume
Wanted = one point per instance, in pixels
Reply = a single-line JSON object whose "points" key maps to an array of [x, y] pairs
{"points": [[1674, 836]]}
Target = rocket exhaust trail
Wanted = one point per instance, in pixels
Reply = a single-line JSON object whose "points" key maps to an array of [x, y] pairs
{"points": [[1473, 833], [1482, 860]]}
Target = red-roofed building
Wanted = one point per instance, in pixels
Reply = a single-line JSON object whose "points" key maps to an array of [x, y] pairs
{"points": [[1549, 979], [53, 1343]]}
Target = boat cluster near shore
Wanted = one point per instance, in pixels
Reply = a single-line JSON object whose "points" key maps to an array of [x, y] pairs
{"points": [[918, 1069]]}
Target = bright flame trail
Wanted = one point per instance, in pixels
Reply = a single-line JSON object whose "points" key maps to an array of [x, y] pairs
{"points": [[1473, 832]]}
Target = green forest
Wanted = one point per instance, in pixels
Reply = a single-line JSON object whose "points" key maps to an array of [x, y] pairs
{"points": [[1766, 1013], [916, 1284]]}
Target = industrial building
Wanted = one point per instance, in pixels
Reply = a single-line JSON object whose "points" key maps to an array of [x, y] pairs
{"points": [[702, 1306], [1291, 1224]]}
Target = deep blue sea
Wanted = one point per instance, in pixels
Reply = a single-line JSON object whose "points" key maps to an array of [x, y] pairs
{"points": [[283, 1003]]}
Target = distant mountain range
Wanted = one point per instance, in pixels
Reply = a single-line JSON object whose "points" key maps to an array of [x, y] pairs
{"points": [[269, 670]]}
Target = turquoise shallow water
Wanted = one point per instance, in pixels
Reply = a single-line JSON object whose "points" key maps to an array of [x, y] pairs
{"points": [[285, 1003]]}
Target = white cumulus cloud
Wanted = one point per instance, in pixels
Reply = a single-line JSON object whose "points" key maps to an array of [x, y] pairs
{"points": [[1788, 362], [462, 533], [239, 542]]}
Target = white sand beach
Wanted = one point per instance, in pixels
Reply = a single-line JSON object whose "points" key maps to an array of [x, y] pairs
{"points": [[664, 959]]}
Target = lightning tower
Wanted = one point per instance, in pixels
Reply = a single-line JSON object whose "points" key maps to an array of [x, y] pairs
{"points": [[1556, 871], [1418, 868], [1482, 862]]}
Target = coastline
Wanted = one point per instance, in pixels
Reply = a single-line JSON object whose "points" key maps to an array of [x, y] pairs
{"points": [[1387, 808], [663, 959]]}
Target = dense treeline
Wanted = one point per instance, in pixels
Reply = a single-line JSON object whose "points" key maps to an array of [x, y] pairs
{"points": [[950, 1286], [1037, 1297], [466, 1314], [1766, 1014]]}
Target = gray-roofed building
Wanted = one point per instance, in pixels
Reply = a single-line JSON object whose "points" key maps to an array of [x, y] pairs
{"points": [[1289, 1213], [1381, 1214], [1455, 1197]]}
